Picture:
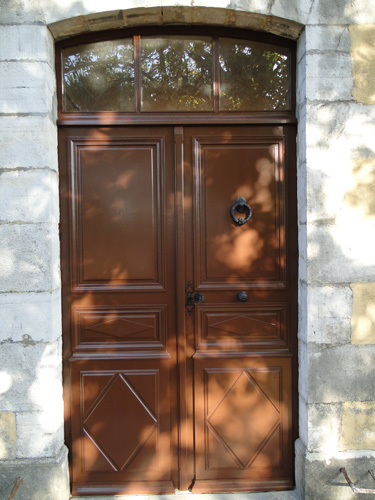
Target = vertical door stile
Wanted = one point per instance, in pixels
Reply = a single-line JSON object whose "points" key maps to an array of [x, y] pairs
{"points": [[186, 458]]}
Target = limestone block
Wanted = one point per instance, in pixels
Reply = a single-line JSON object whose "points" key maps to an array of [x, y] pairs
{"points": [[299, 464], [359, 196], [302, 245], [303, 420], [324, 428], [26, 87], [302, 311], [29, 254], [363, 55], [249, 14], [29, 196], [303, 379], [358, 425], [329, 88], [301, 79], [42, 479], [301, 46], [325, 191], [363, 317], [328, 76], [336, 135], [301, 185], [38, 435], [21, 12], [28, 142], [324, 481], [329, 314], [339, 131], [32, 43], [30, 380], [341, 373], [323, 38], [342, 252], [30, 317], [8, 435], [297, 10], [341, 12]]}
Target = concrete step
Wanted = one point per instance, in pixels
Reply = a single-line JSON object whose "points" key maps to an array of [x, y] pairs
{"points": [[275, 495]]}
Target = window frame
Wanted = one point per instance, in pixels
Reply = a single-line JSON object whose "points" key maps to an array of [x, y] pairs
{"points": [[139, 117]]}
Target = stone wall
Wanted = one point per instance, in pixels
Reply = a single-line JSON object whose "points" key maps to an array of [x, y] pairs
{"points": [[336, 176]]}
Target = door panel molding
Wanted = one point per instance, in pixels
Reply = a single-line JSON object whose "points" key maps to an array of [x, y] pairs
{"points": [[230, 266], [96, 196]]}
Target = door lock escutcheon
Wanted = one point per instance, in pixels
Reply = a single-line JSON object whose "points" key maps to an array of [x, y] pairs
{"points": [[192, 298]]}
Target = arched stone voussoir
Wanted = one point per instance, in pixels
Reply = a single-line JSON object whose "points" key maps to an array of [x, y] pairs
{"points": [[157, 16]]}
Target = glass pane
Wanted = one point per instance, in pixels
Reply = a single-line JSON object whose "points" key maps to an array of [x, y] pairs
{"points": [[253, 76], [176, 74], [99, 77]]}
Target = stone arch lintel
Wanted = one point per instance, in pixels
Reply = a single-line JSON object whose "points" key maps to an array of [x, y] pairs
{"points": [[158, 16]]}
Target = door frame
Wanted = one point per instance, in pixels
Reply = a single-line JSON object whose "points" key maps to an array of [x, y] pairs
{"points": [[177, 121]]}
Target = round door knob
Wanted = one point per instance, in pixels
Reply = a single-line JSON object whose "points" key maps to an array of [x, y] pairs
{"points": [[242, 296], [199, 297]]}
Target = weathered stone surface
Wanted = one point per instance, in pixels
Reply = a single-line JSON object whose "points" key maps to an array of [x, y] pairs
{"points": [[303, 420], [359, 196], [328, 76], [329, 315], [331, 88], [341, 253], [254, 16], [323, 38], [21, 12], [29, 196], [29, 254], [358, 425], [43, 479], [302, 311], [31, 380], [338, 132], [26, 87], [39, 435], [28, 142], [303, 381], [30, 317], [341, 12], [341, 373], [324, 428], [341, 192], [324, 481], [297, 10], [34, 43], [363, 55], [363, 317], [8, 435]]}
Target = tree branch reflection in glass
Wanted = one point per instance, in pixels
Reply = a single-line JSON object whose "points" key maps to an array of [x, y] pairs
{"points": [[99, 76]]}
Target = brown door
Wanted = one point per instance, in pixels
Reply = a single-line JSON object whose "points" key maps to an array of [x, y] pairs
{"points": [[168, 383]]}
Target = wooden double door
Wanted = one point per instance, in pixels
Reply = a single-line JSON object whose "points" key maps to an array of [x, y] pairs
{"points": [[179, 307]]}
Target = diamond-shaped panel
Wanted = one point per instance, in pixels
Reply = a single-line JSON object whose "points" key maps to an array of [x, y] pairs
{"points": [[244, 419], [121, 328], [242, 325], [120, 423]]}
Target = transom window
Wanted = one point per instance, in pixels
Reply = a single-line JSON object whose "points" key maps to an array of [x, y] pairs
{"points": [[176, 73]]}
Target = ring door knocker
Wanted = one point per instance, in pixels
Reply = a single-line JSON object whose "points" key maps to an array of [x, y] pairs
{"points": [[240, 206]]}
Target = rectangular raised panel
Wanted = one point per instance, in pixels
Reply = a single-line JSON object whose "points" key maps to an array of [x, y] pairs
{"points": [[230, 255], [124, 428], [241, 326], [243, 420], [117, 214], [119, 327]]}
